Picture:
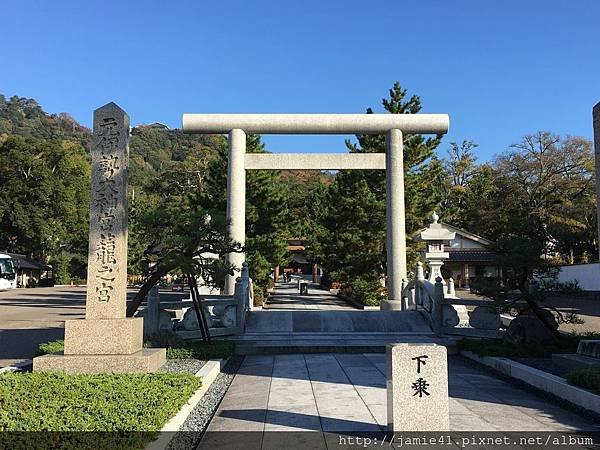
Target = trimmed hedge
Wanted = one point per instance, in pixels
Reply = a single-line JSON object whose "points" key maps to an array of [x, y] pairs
{"points": [[181, 350], [49, 401], [586, 378]]}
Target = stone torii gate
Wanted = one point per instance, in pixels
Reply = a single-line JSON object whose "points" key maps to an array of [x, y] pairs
{"points": [[392, 125]]}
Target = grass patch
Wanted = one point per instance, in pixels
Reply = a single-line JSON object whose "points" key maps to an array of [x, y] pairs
{"points": [[586, 378], [181, 350], [51, 401], [202, 350], [498, 347]]}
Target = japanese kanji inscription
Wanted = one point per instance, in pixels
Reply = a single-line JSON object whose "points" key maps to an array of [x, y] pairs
{"points": [[417, 387], [107, 263]]}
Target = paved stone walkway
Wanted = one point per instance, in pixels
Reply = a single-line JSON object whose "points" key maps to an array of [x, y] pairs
{"points": [[346, 393], [287, 297]]}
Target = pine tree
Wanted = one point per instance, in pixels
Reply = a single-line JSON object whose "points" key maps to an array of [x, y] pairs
{"points": [[355, 224]]}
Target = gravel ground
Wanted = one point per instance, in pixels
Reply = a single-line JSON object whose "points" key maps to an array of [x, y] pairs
{"points": [[192, 429], [183, 365]]}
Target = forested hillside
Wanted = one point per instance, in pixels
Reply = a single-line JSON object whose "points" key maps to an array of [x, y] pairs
{"points": [[25, 117]]}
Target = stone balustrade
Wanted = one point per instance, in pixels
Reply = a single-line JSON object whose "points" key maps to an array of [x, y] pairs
{"points": [[447, 313]]}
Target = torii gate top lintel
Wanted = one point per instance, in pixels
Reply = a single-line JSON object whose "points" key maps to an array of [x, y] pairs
{"points": [[316, 123]]}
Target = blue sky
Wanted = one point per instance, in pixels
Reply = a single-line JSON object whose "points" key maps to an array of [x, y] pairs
{"points": [[500, 69]]}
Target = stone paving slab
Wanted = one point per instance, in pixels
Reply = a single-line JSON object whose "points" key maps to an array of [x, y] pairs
{"points": [[287, 297], [346, 392]]}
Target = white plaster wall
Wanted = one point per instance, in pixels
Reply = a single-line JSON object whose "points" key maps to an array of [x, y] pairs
{"points": [[588, 275], [464, 242]]}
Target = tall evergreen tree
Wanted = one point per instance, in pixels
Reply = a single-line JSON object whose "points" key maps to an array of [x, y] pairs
{"points": [[354, 240]]}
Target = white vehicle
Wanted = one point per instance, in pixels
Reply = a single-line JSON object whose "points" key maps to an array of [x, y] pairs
{"points": [[8, 275]]}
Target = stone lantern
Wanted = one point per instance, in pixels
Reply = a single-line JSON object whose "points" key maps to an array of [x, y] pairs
{"points": [[436, 237]]}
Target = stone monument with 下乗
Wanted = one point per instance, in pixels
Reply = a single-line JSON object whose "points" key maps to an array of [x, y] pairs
{"points": [[106, 340], [417, 387]]}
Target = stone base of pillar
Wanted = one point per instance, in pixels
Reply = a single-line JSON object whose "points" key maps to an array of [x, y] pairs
{"points": [[104, 336], [143, 361], [103, 346], [391, 305]]}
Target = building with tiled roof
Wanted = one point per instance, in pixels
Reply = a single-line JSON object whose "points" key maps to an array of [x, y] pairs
{"points": [[470, 257]]}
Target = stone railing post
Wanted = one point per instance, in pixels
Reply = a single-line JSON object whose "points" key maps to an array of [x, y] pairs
{"points": [[405, 296], [245, 275], [451, 291], [240, 297], [420, 277], [152, 319], [437, 310], [250, 294]]}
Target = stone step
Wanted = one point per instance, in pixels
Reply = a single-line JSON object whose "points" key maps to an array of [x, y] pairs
{"points": [[335, 321], [352, 336], [259, 343]]}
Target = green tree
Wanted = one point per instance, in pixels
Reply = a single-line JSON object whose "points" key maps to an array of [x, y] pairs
{"points": [[175, 233], [461, 170], [354, 224], [543, 189], [44, 201], [541, 186]]}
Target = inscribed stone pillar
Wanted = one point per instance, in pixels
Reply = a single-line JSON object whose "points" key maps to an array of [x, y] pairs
{"points": [[106, 341], [107, 257], [236, 201], [596, 118], [395, 217], [417, 387]]}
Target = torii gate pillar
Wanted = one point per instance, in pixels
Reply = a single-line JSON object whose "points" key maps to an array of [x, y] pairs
{"points": [[236, 200]]}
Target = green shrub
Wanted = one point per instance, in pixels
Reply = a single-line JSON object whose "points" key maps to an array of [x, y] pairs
{"points": [[50, 347], [164, 339], [47, 401], [202, 350], [586, 378], [270, 284], [259, 293], [367, 292], [177, 348], [569, 287], [61, 268], [498, 347]]}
